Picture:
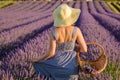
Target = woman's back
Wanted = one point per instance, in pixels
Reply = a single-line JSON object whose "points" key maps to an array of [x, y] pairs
{"points": [[70, 33], [64, 34]]}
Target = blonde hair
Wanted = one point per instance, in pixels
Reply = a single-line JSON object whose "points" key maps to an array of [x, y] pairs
{"points": [[64, 26]]}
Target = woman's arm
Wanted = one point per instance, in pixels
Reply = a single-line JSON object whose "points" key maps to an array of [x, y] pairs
{"points": [[51, 50], [81, 41]]}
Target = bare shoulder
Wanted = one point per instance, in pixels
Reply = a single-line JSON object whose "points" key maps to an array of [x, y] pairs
{"points": [[78, 30]]}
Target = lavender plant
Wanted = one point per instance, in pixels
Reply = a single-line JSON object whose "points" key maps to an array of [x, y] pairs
{"points": [[101, 10], [32, 40], [109, 23]]}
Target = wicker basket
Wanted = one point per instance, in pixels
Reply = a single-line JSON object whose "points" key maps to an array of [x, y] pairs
{"points": [[99, 64]]}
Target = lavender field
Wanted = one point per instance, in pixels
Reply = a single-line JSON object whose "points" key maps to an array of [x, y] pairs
{"points": [[24, 35]]}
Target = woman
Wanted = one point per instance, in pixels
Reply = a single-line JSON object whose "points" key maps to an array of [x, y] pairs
{"points": [[60, 63]]}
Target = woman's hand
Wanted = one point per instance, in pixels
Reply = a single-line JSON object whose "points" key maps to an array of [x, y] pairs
{"points": [[35, 60]]}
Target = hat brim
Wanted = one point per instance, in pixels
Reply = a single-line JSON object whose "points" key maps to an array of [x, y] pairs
{"points": [[58, 22]]}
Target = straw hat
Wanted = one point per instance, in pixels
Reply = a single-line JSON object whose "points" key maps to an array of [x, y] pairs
{"points": [[64, 15]]}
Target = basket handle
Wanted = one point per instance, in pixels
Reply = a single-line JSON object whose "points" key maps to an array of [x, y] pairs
{"points": [[103, 51]]}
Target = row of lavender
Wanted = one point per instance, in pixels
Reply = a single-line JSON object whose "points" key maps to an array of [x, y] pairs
{"points": [[24, 28], [34, 47], [27, 42], [95, 31], [12, 28], [109, 23]]}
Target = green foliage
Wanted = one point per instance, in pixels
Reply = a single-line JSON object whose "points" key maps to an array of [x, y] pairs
{"points": [[111, 0], [113, 69], [6, 3], [112, 7]]}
